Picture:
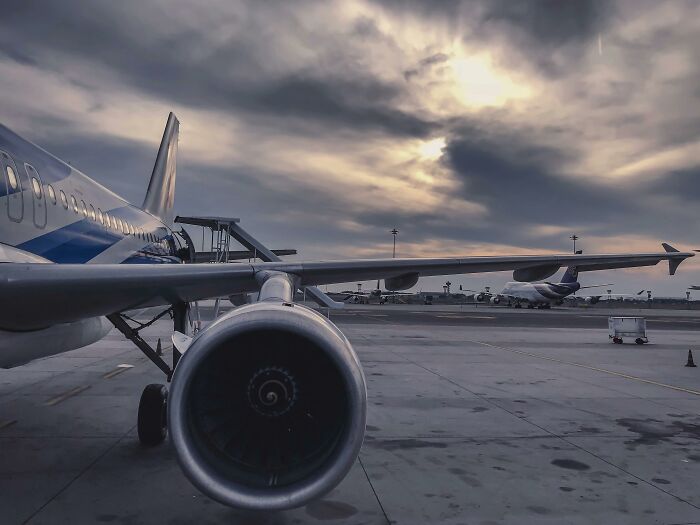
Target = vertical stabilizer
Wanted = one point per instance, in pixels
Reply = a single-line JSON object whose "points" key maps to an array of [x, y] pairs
{"points": [[160, 195], [570, 276]]}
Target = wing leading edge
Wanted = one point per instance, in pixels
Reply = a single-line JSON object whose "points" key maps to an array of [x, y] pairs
{"points": [[38, 295]]}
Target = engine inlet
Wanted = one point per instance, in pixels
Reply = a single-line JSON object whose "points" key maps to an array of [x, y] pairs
{"points": [[272, 391]]}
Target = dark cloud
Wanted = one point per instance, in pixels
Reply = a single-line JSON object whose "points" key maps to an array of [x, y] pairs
{"points": [[550, 23], [525, 185], [425, 64], [682, 185], [182, 66]]}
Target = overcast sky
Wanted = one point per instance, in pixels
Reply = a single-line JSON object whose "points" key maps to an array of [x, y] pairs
{"points": [[481, 127]]}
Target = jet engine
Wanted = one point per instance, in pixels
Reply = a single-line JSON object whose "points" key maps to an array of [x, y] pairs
{"points": [[480, 297], [495, 299], [267, 407], [592, 299]]}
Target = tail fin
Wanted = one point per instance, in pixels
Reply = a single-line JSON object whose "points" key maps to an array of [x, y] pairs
{"points": [[160, 195], [570, 276]]}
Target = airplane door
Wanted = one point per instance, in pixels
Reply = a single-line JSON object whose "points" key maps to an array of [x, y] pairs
{"points": [[14, 186], [38, 197]]}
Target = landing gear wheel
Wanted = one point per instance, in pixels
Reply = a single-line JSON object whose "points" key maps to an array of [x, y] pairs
{"points": [[617, 340], [639, 341], [152, 417]]}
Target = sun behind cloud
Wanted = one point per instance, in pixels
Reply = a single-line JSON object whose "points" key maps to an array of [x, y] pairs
{"points": [[432, 149]]}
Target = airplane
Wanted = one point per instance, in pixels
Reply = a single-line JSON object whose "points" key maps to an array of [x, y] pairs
{"points": [[378, 293], [543, 295], [267, 404], [594, 299]]}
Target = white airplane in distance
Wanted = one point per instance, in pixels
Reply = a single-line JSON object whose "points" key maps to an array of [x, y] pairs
{"points": [[267, 404], [545, 294]]}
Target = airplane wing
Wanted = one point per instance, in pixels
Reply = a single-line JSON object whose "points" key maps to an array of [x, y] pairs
{"points": [[36, 295], [596, 286]]}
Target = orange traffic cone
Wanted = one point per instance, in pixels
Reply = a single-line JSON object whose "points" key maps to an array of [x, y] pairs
{"points": [[690, 362]]}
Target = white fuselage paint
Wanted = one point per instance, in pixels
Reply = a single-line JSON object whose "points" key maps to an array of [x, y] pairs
{"points": [[537, 293]]}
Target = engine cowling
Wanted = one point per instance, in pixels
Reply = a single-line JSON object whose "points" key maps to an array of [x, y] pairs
{"points": [[480, 297], [495, 299], [267, 407], [592, 299]]}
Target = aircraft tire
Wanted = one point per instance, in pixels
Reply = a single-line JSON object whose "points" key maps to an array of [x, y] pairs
{"points": [[152, 418]]}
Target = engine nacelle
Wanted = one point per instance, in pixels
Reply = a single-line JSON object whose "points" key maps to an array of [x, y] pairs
{"points": [[592, 300], [495, 299], [480, 297], [401, 282], [267, 407]]}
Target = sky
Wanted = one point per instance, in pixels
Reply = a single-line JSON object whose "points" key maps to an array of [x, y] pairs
{"points": [[483, 127]]}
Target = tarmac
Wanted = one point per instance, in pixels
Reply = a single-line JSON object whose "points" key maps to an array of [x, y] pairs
{"points": [[476, 416]]}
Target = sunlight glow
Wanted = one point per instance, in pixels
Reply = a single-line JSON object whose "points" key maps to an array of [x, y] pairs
{"points": [[432, 149], [478, 84]]}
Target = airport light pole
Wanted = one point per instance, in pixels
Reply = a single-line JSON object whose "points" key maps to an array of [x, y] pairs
{"points": [[394, 232], [574, 238]]}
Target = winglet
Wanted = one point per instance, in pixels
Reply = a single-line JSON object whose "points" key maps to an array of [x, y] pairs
{"points": [[668, 248], [672, 263]]}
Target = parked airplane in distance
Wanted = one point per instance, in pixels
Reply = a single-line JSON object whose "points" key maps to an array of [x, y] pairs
{"points": [[364, 297], [544, 295], [267, 404]]}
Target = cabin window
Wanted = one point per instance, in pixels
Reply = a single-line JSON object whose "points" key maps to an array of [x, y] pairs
{"points": [[52, 193], [93, 215], [83, 208], [11, 177], [64, 200], [74, 203], [100, 217], [36, 187]]}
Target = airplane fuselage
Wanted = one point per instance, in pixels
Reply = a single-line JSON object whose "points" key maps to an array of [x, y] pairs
{"points": [[51, 210], [539, 293]]}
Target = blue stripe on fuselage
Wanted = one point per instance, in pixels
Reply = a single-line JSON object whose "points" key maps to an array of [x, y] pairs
{"points": [[76, 243], [85, 239]]}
